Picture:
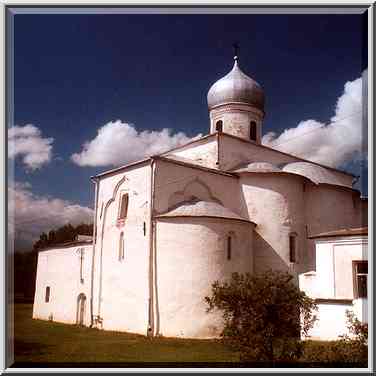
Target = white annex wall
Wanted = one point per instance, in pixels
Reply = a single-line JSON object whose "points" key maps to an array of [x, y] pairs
{"points": [[121, 286], [331, 321], [332, 284], [191, 254], [59, 269], [330, 208]]}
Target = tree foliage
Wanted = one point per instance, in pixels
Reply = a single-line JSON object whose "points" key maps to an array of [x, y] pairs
{"points": [[263, 314], [63, 234], [350, 350], [358, 329], [355, 347]]}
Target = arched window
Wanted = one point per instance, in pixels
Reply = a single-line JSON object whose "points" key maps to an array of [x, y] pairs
{"points": [[229, 247], [121, 246], [123, 206], [253, 131], [292, 246], [219, 126]]}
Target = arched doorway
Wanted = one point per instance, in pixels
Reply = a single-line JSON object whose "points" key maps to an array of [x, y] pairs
{"points": [[81, 305]]}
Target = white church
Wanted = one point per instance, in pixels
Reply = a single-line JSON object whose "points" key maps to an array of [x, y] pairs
{"points": [[168, 226]]}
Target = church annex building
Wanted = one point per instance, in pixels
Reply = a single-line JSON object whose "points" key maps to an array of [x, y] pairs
{"points": [[168, 226]]}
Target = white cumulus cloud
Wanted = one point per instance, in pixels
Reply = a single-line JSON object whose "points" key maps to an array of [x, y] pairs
{"points": [[29, 215], [119, 143], [27, 142], [333, 144]]}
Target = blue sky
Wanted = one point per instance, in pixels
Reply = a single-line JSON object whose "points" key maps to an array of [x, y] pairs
{"points": [[73, 74]]}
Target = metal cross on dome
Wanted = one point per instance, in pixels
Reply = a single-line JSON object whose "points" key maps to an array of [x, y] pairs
{"points": [[236, 50]]}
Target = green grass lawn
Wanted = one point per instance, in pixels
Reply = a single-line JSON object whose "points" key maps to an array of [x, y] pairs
{"points": [[43, 343], [40, 341]]}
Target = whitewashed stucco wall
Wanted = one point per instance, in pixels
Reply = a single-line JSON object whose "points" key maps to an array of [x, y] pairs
{"points": [[333, 276], [332, 284], [122, 286], [191, 254], [175, 183], [236, 118], [331, 321], [233, 152], [202, 153], [276, 203], [330, 208], [59, 269]]}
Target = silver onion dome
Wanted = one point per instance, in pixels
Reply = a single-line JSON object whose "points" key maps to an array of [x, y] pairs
{"points": [[236, 87]]}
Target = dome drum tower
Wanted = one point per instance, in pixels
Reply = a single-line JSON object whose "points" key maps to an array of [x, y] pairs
{"points": [[236, 105]]}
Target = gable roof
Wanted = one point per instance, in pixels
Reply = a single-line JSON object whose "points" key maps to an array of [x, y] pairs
{"points": [[222, 134], [207, 137]]}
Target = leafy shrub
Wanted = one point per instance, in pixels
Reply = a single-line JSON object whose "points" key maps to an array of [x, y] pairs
{"points": [[358, 329], [263, 314], [333, 353], [346, 351]]}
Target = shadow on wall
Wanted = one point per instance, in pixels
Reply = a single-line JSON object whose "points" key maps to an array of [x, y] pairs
{"points": [[265, 257], [364, 212], [243, 207], [196, 189]]}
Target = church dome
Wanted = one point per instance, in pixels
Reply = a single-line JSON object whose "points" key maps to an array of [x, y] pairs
{"points": [[236, 87]]}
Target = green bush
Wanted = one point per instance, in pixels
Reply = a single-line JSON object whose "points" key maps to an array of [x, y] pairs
{"points": [[347, 351], [334, 353], [263, 314]]}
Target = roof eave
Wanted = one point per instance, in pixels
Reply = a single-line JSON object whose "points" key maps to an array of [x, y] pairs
{"points": [[289, 155], [117, 169], [164, 216]]}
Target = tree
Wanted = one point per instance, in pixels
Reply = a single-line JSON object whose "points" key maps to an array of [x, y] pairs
{"points": [[354, 348], [264, 314], [63, 234]]}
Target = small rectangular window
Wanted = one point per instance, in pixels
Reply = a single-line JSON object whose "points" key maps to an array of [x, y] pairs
{"points": [[121, 247], [292, 242], [123, 207], [47, 299], [253, 131], [229, 240], [360, 276], [219, 126]]}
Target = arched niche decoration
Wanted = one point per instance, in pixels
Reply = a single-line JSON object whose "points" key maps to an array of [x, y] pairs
{"points": [[108, 203], [196, 189]]}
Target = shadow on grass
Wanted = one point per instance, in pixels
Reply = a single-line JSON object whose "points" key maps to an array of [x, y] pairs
{"points": [[31, 348]]}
